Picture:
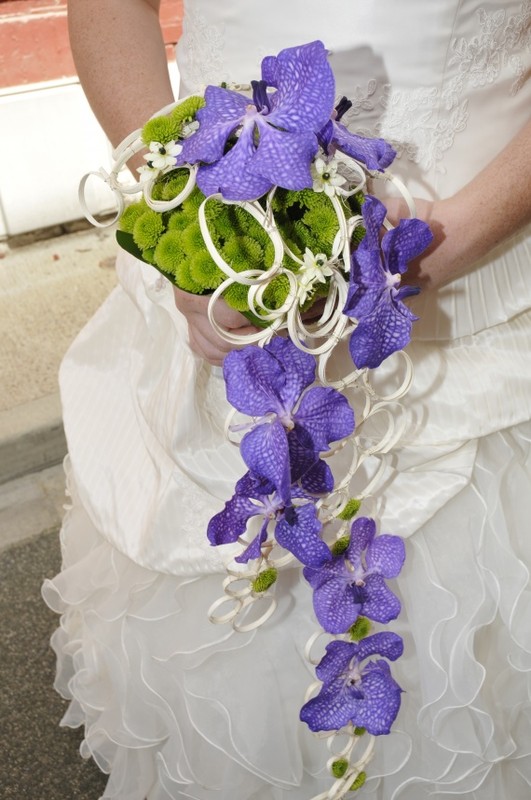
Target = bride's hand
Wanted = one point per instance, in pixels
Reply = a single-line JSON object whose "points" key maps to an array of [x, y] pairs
{"points": [[454, 249], [434, 267], [203, 339], [468, 226]]}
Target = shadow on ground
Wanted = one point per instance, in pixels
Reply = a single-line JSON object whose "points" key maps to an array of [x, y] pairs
{"points": [[39, 760]]}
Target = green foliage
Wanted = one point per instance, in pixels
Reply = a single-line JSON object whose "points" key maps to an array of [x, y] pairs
{"points": [[172, 183], [213, 209], [204, 271], [287, 202], [359, 782], [190, 206], [174, 243], [355, 202], [161, 129], [131, 214], [269, 253], [351, 509], [244, 223], [149, 255], [169, 253], [127, 243], [339, 767], [169, 128], [264, 580], [148, 229], [306, 237], [353, 208], [184, 280], [323, 223], [225, 222], [192, 239], [177, 221], [186, 111], [243, 252], [236, 296], [359, 731], [306, 219], [157, 191], [357, 235], [340, 546], [276, 292], [360, 629], [307, 198]]}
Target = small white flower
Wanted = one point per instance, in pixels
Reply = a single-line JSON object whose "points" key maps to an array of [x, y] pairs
{"points": [[314, 269], [147, 172], [161, 155], [325, 176]]}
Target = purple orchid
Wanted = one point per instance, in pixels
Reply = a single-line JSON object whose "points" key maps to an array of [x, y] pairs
{"points": [[293, 425], [376, 154], [375, 295], [297, 527], [276, 132], [364, 694], [353, 583]]}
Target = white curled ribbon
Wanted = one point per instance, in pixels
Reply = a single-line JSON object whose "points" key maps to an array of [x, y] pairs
{"points": [[129, 147], [239, 596], [240, 607], [169, 205]]}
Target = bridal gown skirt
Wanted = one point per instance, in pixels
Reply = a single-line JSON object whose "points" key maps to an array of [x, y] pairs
{"points": [[175, 706]]}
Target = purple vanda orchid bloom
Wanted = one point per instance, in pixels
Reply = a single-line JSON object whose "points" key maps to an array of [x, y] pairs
{"points": [[376, 154], [294, 423], [276, 131], [375, 296], [353, 583], [364, 694], [296, 527]]}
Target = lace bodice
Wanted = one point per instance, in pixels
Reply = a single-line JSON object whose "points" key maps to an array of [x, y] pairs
{"points": [[446, 81]]}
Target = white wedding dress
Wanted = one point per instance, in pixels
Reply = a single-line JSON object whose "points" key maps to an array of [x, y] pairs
{"points": [[176, 707]]}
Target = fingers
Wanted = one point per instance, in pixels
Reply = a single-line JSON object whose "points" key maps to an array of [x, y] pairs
{"points": [[228, 317], [203, 339], [211, 347], [206, 349], [190, 304]]}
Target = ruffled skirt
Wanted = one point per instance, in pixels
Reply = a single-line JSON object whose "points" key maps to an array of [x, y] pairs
{"points": [[177, 707]]}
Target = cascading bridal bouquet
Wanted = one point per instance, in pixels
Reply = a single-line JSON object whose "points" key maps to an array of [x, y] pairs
{"points": [[258, 195]]}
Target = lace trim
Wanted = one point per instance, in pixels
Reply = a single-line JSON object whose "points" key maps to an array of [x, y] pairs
{"points": [[201, 39], [480, 60], [411, 119]]}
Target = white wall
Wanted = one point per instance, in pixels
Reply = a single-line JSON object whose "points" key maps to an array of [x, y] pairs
{"points": [[49, 138]]}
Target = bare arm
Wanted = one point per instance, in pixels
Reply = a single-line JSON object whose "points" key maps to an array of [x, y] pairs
{"points": [[494, 206], [121, 61]]}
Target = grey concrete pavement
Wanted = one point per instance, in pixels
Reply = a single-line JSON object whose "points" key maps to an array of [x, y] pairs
{"points": [[48, 290], [31, 505], [39, 759]]}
